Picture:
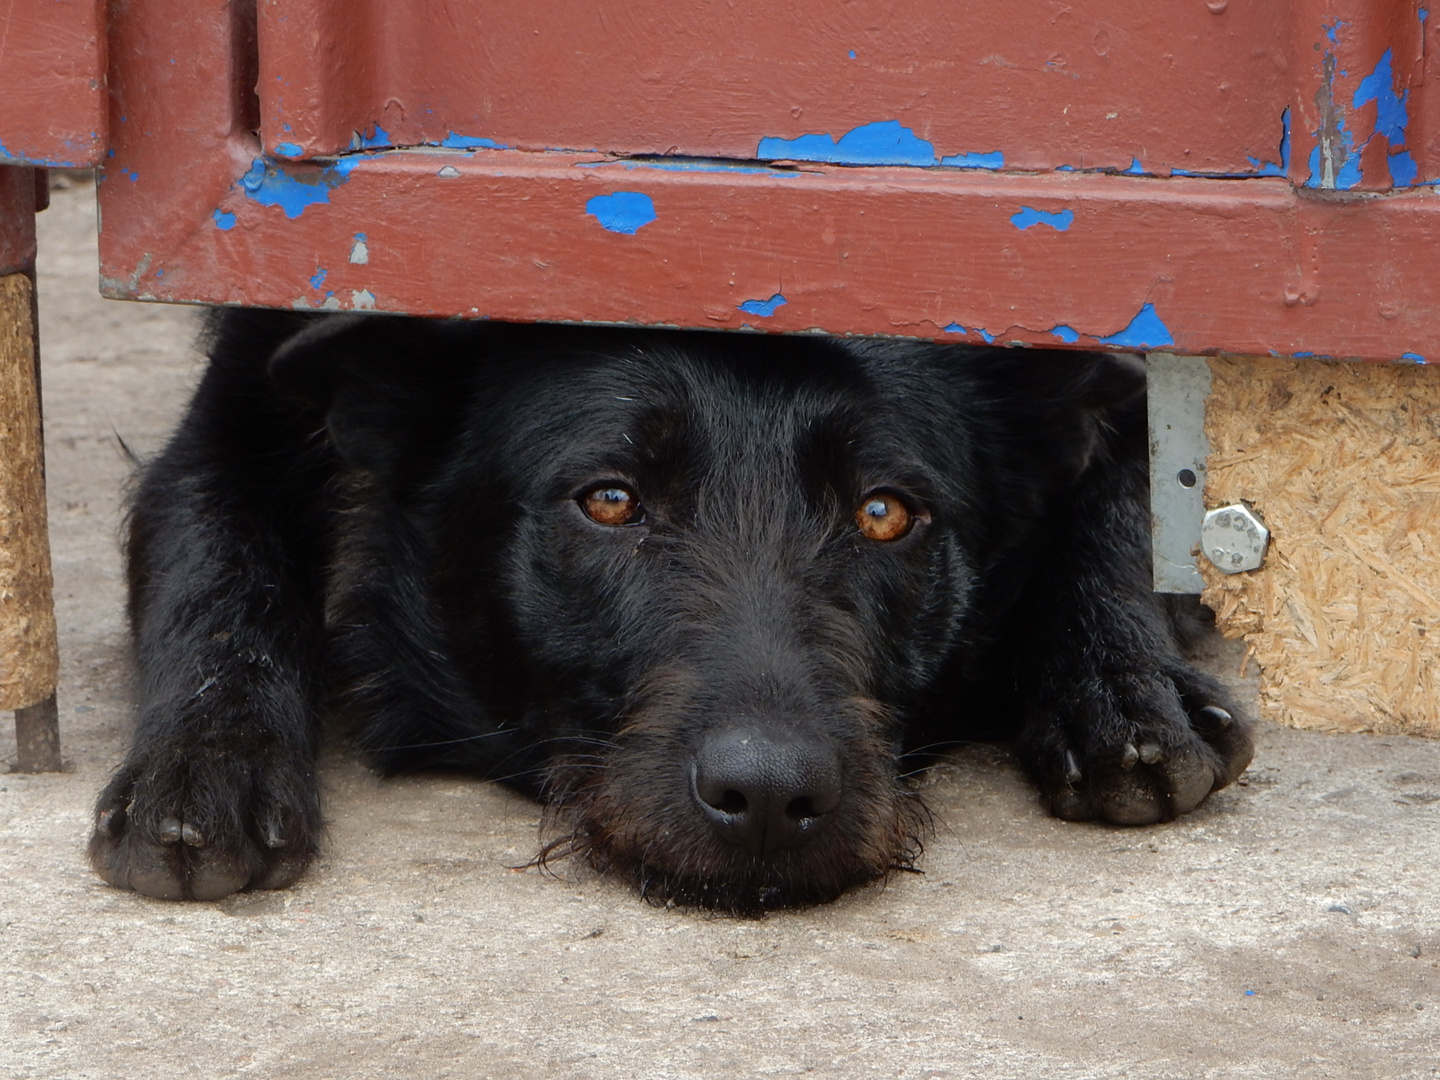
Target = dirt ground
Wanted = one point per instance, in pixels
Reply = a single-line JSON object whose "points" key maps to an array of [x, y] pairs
{"points": [[1289, 928]]}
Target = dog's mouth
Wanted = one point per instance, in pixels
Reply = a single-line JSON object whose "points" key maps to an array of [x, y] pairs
{"points": [[683, 845]]}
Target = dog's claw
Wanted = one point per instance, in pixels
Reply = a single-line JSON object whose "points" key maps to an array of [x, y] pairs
{"points": [[170, 831], [111, 822], [274, 838], [1072, 768], [1150, 753], [1216, 716], [192, 835], [1129, 756]]}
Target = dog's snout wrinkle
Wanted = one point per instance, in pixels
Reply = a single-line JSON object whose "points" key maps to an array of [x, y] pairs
{"points": [[764, 792]]}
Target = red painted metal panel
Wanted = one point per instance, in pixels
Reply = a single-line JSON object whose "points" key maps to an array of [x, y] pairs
{"points": [[1116, 85], [52, 82], [193, 211], [1366, 117]]}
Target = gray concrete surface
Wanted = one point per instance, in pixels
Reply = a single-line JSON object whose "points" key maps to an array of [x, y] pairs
{"points": [[1290, 928]]}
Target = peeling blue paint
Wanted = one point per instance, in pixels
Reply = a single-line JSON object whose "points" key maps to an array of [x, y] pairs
{"points": [[1413, 357], [623, 212], [224, 221], [884, 142], [1067, 334], [764, 308], [319, 278], [289, 149], [377, 138], [955, 328], [989, 337], [1135, 169], [1146, 331], [294, 188], [1424, 14], [852, 51], [466, 142], [993, 160], [1333, 32], [1391, 118], [1028, 218], [1303, 355]]}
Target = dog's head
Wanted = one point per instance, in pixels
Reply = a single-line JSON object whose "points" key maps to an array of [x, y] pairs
{"points": [[709, 579]]}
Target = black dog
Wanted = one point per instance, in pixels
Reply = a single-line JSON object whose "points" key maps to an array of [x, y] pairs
{"points": [[698, 591]]}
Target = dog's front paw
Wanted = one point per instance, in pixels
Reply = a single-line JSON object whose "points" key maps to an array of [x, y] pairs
{"points": [[178, 826], [1135, 748]]}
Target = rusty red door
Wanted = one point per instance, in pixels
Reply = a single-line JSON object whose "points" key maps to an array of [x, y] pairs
{"points": [[1204, 175]]}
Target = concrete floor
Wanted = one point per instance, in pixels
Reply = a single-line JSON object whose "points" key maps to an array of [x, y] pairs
{"points": [[1289, 928]]}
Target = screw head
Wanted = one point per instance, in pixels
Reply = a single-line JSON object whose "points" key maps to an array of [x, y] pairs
{"points": [[1234, 538]]}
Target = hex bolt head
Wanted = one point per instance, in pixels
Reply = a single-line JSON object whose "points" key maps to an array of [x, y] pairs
{"points": [[1234, 538]]}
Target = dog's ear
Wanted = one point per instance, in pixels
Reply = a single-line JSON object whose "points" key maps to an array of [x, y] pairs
{"points": [[387, 385], [1111, 379]]}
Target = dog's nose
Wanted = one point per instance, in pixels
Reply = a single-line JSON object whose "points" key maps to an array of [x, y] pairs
{"points": [[765, 792]]}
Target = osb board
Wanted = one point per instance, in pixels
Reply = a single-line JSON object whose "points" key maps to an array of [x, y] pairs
{"points": [[1343, 463], [29, 664]]}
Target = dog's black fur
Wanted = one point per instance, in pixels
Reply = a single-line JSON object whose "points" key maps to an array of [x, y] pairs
{"points": [[389, 519]]}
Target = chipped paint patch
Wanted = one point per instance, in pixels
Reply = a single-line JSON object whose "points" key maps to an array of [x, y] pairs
{"points": [[467, 142], [360, 250], [764, 308], [1334, 160], [1146, 331], [993, 160], [1412, 357], [449, 172], [377, 139], [297, 187], [1028, 218], [884, 142], [289, 150], [1282, 168], [319, 278], [1067, 334], [1135, 169], [622, 212], [1391, 118], [224, 220], [362, 300], [955, 328]]}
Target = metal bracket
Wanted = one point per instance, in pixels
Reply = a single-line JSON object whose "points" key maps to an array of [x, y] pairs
{"points": [[1177, 387]]}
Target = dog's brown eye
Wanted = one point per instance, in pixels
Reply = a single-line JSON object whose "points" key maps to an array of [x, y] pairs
{"points": [[882, 516], [611, 505]]}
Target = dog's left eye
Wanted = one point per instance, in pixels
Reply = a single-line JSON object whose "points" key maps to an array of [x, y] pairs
{"points": [[611, 504], [882, 516]]}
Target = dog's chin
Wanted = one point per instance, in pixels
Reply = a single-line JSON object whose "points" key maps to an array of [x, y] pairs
{"points": [[672, 857]]}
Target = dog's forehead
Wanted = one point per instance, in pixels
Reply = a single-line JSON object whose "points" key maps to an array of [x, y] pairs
{"points": [[727, 393]]}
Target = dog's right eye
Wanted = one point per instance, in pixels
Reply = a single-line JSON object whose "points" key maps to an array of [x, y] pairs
{"points": [[610, 504]]}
